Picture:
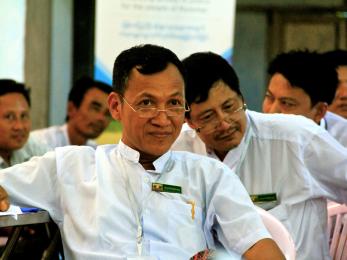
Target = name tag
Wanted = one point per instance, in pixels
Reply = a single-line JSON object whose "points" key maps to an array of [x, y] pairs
{"points": [[263, 197], [161, 187]]}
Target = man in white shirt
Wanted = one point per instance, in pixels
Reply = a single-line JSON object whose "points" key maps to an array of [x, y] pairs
{"points": [[138, 199], [304, 83], [338, 58], [87, 116], [16, 144], [286, 162]]}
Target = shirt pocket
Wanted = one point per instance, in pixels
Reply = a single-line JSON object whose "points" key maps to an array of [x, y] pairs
{"points": [[186, 221]]}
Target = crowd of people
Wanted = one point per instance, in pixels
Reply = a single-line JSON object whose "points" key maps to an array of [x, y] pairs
{"points": [[191, 157]]}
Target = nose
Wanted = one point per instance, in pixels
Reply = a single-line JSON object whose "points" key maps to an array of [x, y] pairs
{"points": [[272, 108], [161, 119], [18, 124], [223, 120]]}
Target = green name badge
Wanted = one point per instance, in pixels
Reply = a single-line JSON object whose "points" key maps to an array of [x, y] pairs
{"points": [[263, 197], [160, 187]]}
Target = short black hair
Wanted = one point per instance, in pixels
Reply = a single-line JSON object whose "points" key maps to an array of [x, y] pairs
{"points": [[203, 70], [309, 71], [147, 59], [82, 85], [11, 86], [336, 57]]}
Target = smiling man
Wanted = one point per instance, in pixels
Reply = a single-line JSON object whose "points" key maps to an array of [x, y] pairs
{"points": [[87, 116], [138, 199], [287, 163], [304, 83], [15, 125]]}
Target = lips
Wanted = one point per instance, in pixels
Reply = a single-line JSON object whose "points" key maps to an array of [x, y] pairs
{"points": [[227, 134], [161, 134]]}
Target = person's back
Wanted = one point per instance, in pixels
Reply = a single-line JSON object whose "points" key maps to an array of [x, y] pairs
{"points": [[336, 125]]}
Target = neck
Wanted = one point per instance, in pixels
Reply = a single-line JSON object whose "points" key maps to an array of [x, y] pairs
{"points": [[74, 137], [147, 162], [6, 155], [221, 155]]}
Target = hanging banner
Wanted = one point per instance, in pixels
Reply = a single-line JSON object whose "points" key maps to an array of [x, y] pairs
{"points": [[183, 26]]}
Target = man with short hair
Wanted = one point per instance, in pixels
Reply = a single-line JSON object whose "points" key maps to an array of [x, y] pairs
{"points": [[287, 163], [138, 199], [304, 83], [15, 144], [87, 116], [338, 58]]}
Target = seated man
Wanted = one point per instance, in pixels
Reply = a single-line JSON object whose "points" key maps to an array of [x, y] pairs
{"points": [[304, 83], [138, 199], [285, 159], [87, 116], [338, 58], [15, 144]]}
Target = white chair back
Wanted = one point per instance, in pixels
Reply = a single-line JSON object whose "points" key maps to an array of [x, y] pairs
{"points": [[279, 234], [337, 230]]}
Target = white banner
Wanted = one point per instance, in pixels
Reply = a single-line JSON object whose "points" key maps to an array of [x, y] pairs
{"points": [[184, 26]]}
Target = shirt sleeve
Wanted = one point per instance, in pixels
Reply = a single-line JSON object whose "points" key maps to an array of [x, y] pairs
{"points": [[33, 183], [231, 213], [326, 160]]}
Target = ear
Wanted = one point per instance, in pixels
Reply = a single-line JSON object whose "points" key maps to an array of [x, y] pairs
{"points": [[320, 111], [115, 105], [192, 125], [71, 109]]}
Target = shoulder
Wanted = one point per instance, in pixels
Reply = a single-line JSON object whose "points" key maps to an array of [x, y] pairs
{"points": [[197, 163], [283, 126]]}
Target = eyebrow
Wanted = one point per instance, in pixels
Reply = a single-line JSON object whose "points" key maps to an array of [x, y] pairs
{"points": [[232, 99], [96, 103]]}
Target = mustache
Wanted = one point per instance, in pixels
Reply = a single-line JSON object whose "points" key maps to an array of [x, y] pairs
{"points": [[226, 133]]}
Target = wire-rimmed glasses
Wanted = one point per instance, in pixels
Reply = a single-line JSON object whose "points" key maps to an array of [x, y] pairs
{"points": [[149, 112], [212, 122]]}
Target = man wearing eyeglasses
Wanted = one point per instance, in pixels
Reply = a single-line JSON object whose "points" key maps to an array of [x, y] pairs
{"points": [[288, 164], [137, 199]]}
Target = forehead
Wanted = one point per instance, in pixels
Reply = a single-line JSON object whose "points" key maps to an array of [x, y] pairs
{"points": [[280, 86], [12, 99], [94, 93], [218, 94], [167, 82]]}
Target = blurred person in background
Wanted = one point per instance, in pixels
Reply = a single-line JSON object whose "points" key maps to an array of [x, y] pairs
{"points": [[87, 116], [302, 82]]}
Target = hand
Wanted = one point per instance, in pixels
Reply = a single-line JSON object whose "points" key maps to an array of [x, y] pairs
{"points": [[4, 201]]}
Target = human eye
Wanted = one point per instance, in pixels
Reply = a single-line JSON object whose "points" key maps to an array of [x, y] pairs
{"points": [[175, 103], [145, 103], [10, 117], [288, 104], [25, 117], [268, 96], [205, 118]]}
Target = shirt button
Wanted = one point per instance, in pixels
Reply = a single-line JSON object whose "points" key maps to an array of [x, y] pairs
{"points": [[146, 179]]}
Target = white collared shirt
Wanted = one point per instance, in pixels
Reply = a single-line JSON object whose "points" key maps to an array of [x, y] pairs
{"points": [[57, 136], [31, 148], [86, 193], [296, 159], [337, 126]]}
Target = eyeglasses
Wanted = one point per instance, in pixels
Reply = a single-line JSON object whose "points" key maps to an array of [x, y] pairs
{"points": [[149, 112], [212, 122]]}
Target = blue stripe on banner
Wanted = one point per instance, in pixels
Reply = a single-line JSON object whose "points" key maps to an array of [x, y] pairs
{"points": [[228, 55], [101, 73]]}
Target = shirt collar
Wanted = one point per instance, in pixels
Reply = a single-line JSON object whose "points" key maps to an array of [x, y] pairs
{"points": [[162, 164]]}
